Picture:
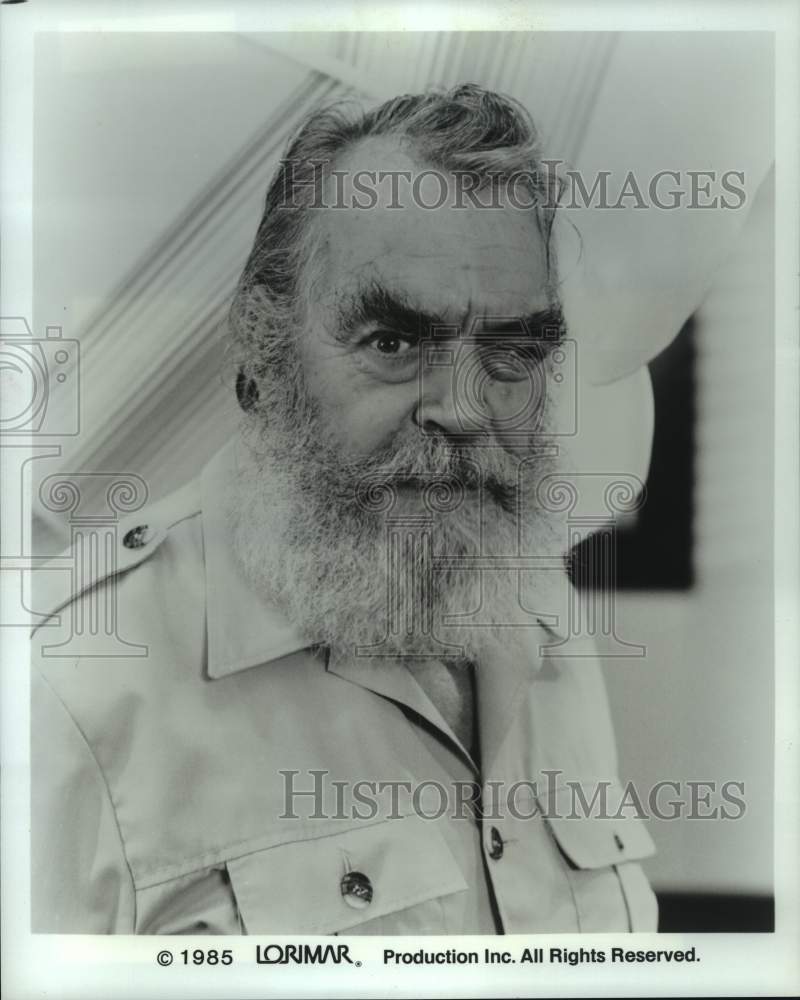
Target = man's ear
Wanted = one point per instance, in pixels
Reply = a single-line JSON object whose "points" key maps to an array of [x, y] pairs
{"points": [[246, 391]]}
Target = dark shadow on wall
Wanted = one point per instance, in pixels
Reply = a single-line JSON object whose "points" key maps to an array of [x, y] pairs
{"points": [[654, 551], [719, 913]]}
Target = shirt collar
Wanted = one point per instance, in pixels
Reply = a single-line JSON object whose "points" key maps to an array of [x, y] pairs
{"points": [[243, 628]]}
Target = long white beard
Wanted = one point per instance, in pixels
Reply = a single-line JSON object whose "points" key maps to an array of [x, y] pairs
{"points": [[365, 567]]}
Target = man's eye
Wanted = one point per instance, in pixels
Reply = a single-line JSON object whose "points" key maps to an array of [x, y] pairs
{"points": [[390, 345]]}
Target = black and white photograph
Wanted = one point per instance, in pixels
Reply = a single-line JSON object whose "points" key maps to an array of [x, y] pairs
{"points": [[399, 505]]}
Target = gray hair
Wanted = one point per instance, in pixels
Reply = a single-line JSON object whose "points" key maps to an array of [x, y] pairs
{"points": [[465, 129]]}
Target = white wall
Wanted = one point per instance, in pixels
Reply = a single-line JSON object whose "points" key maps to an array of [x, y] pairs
{"points": [[700, 704], [128, 130]]}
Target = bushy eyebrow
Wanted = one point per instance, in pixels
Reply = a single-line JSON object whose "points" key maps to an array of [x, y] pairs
{"points": [[376, 305]]}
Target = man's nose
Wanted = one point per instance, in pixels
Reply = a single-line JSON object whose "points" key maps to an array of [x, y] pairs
{"points": [[437, 410]]}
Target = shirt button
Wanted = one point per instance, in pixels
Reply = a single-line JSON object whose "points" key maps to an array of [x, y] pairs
{"points": [[356, 890], [137, 537], [496, 849]]}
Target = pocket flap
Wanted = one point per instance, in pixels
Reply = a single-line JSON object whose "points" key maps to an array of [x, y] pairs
{"points": [[599, 838], [296, 888]]}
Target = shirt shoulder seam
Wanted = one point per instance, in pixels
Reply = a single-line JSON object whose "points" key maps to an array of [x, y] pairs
{"points": [[102, 775]]}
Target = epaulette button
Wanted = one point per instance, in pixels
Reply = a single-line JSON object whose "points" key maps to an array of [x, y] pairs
{"points": [[137, 537]]}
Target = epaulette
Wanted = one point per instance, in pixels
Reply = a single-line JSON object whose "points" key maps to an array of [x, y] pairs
{"points": [[58, 582]]}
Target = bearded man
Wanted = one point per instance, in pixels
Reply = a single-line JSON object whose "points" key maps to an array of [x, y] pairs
{"points": [[357, 713]]}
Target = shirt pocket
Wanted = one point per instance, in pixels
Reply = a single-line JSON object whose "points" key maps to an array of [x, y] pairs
{"points": [[386, 878], [609, 890]]}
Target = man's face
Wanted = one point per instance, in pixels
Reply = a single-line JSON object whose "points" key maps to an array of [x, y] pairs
{"points": [[388, 276], [351, 397]]}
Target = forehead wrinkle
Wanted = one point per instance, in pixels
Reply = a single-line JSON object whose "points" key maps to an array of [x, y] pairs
{"points": [[495, 279]]}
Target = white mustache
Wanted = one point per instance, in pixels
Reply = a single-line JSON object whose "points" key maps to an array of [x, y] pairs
{"points": [[423, 460]]}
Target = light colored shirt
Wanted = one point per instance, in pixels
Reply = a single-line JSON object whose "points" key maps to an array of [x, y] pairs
{"points": [[159, 805]]}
